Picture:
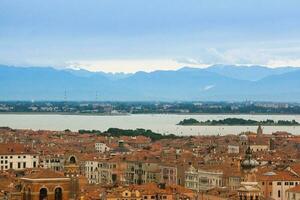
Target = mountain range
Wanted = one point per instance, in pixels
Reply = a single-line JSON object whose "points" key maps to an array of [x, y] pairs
{"points": [[214, 83]]}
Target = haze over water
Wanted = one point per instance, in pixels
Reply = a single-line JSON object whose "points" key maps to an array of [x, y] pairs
{"points": [[161, 123]]}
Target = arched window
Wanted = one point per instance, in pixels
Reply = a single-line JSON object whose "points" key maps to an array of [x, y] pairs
{"points": [[58, 194], [72, 160], [43, 194]]}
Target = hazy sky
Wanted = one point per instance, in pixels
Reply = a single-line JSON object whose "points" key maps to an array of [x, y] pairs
{"points": [[132, 35]]}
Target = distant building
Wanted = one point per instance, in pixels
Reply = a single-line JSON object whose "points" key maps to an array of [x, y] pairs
{"points": [[17, 157], [45, 184], [201, 180], [249, 191], [101, 147], [233, 149]]}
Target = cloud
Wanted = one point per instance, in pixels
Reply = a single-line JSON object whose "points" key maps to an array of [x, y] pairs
{"points": [[208, 87], [125, 65], [286, 62]]}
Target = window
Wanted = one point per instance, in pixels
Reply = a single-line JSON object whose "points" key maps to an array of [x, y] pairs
{"points": [[286, 183], [19, 165], [291, 183], [43, 194], [278, 193], [263, 183], [10, 165], [58, 194], [24, 165], [34, 164], [278, 183], [270, 183]]}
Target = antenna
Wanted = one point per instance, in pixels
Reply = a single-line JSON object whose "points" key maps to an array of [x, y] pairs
{"points": [[65, 95], [96, 96]]}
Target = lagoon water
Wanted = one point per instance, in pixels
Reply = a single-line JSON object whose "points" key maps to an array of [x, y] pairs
{"points": [[161, 123]]}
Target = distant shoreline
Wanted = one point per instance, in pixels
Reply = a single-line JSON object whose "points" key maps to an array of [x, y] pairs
{"points": [[237, 122], [128, 114]]}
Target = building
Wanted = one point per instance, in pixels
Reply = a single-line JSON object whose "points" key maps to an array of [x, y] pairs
{"points": [[233, 149], [54, 162], [249, 191], [101, 147], [275, 183], [17, 157], [45, 184], [138, 172], [168, 174], [293, 193], [201, 180], [101, 172]]}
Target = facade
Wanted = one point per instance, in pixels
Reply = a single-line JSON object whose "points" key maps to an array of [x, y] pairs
{"points": [[17, 157], [45, 184], [259, 147], [104, 172], [275, 184], [201, 180], [101, 147], [293, 193], [249, 191], [54, 162], [168, 175], [233, 149], [142, 172], [100, 172]]}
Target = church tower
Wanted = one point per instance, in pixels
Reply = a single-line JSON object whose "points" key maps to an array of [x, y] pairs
{"points": [[259, 130], [72, 172]]}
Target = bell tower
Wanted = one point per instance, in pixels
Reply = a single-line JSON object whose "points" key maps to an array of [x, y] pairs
{"points": [[259, 130], [72, 171]]}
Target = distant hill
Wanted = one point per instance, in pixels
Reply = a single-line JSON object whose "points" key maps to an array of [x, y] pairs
{"points": [[216, 83], [251, 73]]}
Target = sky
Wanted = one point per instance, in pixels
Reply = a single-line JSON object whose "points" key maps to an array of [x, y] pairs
{"points": [[134, 35]]}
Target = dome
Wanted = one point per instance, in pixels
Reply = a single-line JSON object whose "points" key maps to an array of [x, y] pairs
{"points": [[243, 137], [249, 162]]}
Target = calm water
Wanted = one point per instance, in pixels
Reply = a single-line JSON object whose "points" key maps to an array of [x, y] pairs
{"points": [[162, 123]]}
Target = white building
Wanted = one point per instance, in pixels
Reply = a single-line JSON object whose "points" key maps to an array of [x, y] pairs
{"points": [[199, 180], [233, 149], [101, 147], [100, 172], [54, 162], [17, 157]]}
